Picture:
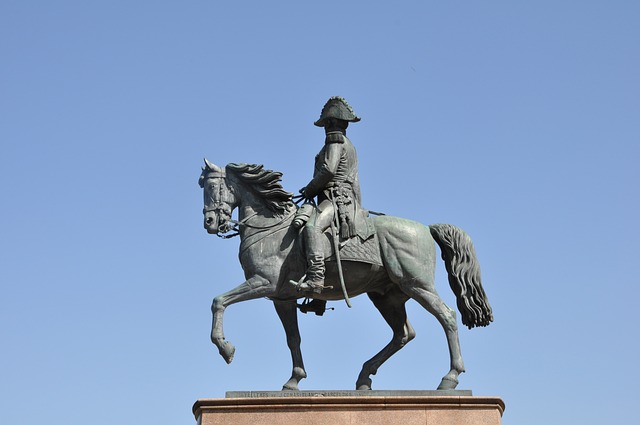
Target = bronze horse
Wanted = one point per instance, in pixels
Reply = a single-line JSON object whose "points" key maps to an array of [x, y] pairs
{"points": [[271, 257]]}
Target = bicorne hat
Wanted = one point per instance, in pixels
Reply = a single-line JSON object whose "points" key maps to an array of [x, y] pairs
{"points": [[337, 107]]}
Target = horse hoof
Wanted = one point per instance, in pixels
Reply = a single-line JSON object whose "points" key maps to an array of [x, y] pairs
{"points": [[290, 387], [363, 384], [448, 384], [227, 351]]}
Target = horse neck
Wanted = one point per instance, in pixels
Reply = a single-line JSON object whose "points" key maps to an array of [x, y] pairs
{"points": [[262, 225], [256, 213], [250, 206]]}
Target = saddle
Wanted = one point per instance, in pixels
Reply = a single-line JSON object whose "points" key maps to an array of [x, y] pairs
{"points": [[363, 247]]}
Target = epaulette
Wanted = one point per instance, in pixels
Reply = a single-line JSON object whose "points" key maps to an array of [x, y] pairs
{"points": [[335, 137]]}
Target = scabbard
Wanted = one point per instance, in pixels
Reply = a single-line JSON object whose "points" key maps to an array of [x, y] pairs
{"points": [[336, 248]]}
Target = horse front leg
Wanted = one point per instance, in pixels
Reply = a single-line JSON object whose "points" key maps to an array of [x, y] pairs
{"points": [[288, 314], [252, 288]]}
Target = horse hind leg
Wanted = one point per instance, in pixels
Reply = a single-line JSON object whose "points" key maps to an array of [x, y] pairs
{"points": [[392, 307], [427, 296]]}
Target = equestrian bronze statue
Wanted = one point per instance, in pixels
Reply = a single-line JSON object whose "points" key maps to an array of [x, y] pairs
{"points": [[391, 259], [271, 255]]}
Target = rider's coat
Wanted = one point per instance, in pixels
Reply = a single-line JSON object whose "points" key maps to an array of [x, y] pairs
{"points": [[336, 184], [336, 165]]}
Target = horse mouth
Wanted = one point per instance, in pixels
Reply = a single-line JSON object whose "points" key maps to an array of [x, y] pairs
{"points": [[211, 224], [211, 227]]}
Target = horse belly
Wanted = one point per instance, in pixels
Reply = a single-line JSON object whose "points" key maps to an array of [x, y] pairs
{"points": [[359, 278]]}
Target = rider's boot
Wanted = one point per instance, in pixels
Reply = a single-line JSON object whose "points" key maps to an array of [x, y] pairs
{"points": [[315, 275], [314, 281]]}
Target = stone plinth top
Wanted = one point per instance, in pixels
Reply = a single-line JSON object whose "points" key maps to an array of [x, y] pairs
{"points": [[348, 393], [352, 410]]}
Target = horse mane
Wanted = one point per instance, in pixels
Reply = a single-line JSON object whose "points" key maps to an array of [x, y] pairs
{"points": [[265, 183]]}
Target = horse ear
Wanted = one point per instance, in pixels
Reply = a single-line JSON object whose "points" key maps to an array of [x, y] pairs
{"points": [[210, 166]]}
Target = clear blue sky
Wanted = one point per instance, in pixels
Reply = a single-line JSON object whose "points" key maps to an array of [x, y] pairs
{"points": [[517, 121]]}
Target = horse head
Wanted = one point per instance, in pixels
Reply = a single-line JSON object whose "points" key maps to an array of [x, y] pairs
{"points": [[237, 185], [219, 199]]}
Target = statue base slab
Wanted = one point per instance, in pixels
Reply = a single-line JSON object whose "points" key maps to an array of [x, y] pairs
{"points": [[365, 407]]}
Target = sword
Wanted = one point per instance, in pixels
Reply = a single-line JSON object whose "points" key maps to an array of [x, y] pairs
{"points": [[336, 247]]}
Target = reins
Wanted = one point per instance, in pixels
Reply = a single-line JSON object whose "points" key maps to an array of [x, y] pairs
{"points": [[245, 222]]}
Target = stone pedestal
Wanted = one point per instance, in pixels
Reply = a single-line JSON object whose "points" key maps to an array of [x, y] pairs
{"points": [[322, 408]]}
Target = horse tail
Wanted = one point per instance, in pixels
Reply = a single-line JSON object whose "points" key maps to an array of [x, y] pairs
{"points": [[464, 274]]}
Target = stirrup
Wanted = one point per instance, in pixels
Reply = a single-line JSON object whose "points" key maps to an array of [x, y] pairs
{"points": [[305, 286], [316, 287]]}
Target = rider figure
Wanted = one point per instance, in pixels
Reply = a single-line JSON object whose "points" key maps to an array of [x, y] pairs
{"points": [[335, 183]]}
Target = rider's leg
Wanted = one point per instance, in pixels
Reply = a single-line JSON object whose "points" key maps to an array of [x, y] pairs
{"points": [[313, 230]]}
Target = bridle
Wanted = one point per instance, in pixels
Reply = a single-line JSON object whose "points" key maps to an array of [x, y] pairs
{"points": [[221, 206]]}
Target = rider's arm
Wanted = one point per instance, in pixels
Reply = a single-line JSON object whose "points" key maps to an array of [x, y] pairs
{"points": [[325, 171]]}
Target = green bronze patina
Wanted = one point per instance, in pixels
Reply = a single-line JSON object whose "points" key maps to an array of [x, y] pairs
{"points": [[271, 255]]}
